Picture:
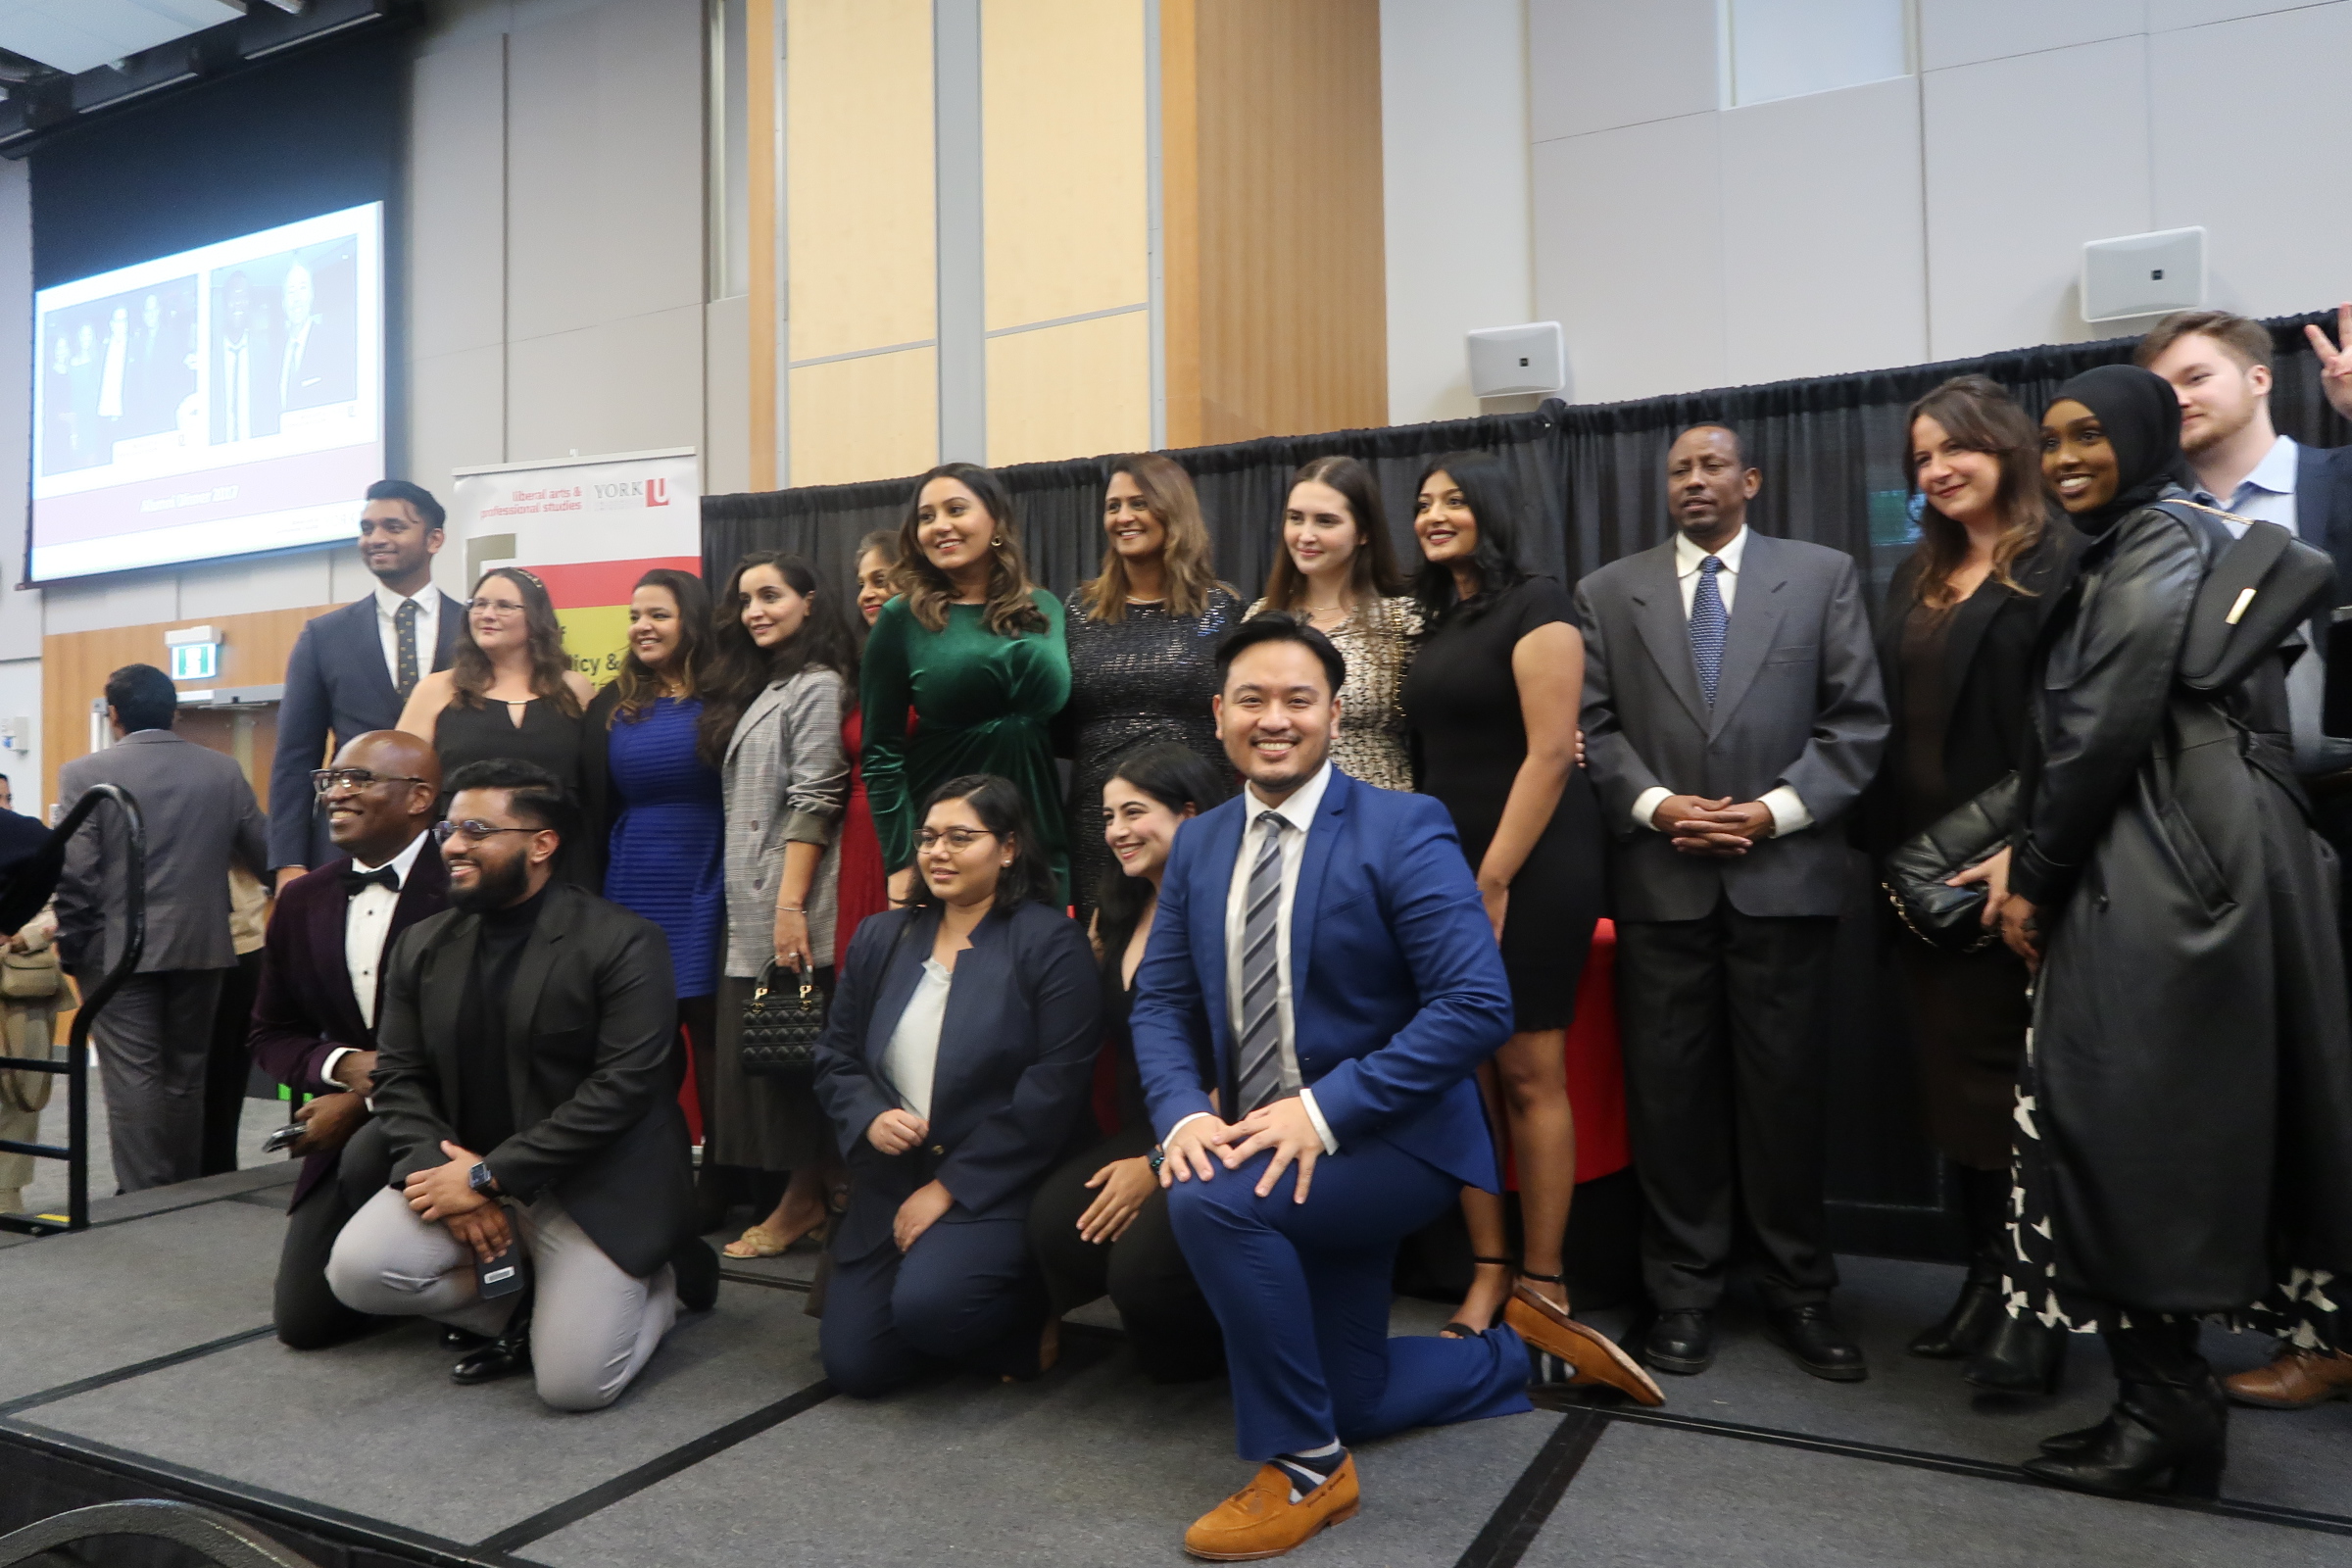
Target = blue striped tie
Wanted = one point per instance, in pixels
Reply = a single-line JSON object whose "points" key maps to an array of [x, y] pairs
{"points": [[1708, 625], [1260, 1078]]}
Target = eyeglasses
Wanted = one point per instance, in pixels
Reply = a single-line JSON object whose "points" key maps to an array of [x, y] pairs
{"points": [[498, 608], [472, 829], [327, 780], [956, 839]]}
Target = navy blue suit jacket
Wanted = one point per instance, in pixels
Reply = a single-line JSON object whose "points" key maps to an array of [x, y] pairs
{"points": [[2323, 517], [336, 682], [1016, 1063], [1398, 989]]}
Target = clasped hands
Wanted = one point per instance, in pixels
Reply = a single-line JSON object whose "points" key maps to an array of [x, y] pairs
{"points": [[442, 1193], [1199, 1145], [2013, 916], [894, 1132], [1697, 826]]}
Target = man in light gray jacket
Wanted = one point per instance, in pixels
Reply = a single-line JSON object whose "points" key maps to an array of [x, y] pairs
{"points": [[154, 1036], [1733, 714]]}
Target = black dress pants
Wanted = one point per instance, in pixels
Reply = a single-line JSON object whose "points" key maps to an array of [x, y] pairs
{"points": [[1168, 1320], [304, 1310], [1725, 1067], [229, 1062]]}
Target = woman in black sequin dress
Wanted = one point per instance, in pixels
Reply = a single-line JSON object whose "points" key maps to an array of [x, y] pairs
{"points": [[1143, 640]]}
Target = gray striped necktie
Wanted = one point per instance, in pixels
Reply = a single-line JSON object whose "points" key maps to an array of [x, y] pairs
{"points": [[1260, 1077]]}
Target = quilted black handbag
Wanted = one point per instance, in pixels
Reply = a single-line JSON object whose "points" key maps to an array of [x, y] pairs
{"points": [[1914, 876], [780, 1026]]}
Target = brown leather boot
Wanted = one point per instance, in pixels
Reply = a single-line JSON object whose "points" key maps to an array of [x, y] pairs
{"points": [[1261, 1521], [2296, 1381]]}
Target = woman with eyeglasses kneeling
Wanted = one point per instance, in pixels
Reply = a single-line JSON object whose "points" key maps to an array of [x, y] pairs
{"points": [[955, 1066]]}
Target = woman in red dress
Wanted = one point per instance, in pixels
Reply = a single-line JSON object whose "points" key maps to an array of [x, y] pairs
{"points": [[864, 890]]}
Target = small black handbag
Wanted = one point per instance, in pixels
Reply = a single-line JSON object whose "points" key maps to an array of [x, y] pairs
{"points": [[1915, 873], [781, 1025]]}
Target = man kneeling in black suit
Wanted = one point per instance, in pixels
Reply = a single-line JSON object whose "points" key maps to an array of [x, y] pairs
{"points": [[523, 1079]]}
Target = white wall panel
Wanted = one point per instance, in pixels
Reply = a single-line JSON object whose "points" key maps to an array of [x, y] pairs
{"points": [[97, 603], [1629, 257], [20, 610], [456, 253], [1456, 198], [728, 395], [1960, 32], [2027, 159], [1599, 63], [618, 386], [457, 415], [270, 582], [2274, 243], [1822, 243], [2166, 14]]}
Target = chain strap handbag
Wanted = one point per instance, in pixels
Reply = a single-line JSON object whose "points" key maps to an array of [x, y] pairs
{"points": [[781, 1025]]}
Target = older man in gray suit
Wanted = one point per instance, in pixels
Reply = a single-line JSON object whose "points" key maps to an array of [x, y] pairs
{"points": [[1732, 713], [154, 1036]]}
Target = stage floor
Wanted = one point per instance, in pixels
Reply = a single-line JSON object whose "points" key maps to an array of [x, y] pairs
{"points": [[139, 1363]]}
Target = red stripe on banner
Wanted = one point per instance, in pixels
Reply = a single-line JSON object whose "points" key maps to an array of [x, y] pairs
{"points": [[586, 583]]}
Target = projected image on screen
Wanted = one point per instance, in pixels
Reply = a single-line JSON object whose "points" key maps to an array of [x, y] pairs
{"points": [[218, 402]]}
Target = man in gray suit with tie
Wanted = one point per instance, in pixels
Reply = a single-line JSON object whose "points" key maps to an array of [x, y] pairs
{"points": [[1732, 713], [154, 1036]]}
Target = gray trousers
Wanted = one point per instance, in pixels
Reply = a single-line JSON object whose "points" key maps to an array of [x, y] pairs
{"points": [[153, 1040], [593, 1327]]}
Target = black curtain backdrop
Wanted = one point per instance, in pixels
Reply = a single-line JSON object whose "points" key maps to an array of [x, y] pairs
{"points": [[1831, 453]]}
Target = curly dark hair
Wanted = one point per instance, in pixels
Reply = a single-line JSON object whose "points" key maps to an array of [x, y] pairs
{"points": [[1009, 611], [469, 672], [741, 670]]}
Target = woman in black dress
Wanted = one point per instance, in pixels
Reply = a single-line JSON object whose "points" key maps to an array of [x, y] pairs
{"points": [[1099, 1223], [1492, 699], [1956, 639], [1143, 640], [510, 691]]}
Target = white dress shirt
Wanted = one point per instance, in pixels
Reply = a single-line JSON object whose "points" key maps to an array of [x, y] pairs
{"points": [[236, 366], [910, 1060], [367, 926], [289, 367], [1298, 813], [428, 600], [1789, 813]]}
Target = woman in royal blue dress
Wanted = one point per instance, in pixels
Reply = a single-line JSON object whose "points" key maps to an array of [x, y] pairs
{"points": [[646, 775]]}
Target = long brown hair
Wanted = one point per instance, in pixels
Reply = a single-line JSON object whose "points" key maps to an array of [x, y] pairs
{"points": [[639, 687], [1009, 611], [1372, 572], [469, 672], [1979, 417], [1185, 548], [741, 670]]}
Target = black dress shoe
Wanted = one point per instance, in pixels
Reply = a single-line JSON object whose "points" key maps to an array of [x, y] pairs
{"points": [[502, 1358], [2080, 1441], [2023, 1355], [2158, 1439], [695, 1268], [1811, 1335], [1681, 1340], [456, 1342]]}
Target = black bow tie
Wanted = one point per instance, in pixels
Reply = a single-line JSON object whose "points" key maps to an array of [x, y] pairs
{"points": [[356, 880]]}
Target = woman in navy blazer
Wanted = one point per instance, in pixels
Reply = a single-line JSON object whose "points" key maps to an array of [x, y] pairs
{"points": [[956, 1066]]}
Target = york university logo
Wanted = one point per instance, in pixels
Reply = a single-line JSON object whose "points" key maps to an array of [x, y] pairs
{"points": [[652, 492]]}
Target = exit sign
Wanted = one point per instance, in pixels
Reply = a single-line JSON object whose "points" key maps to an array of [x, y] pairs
{"points": [[195, 660]]}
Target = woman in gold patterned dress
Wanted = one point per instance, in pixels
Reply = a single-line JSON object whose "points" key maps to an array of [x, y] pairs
{"points": [[1338, 572]]}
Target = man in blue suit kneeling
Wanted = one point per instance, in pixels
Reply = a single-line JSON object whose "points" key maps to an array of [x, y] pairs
{"points": [[1321, 963]]}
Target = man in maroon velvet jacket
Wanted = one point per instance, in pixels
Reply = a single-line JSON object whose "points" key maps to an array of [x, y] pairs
{"points": [[314, 1020]]}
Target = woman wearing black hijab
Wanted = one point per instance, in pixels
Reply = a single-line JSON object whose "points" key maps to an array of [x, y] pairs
{"points": [[2184, 1112]]}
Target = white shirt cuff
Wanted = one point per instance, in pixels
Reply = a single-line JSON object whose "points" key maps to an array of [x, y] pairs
{"points": [[327, 1069], [1180, 1121], [1646, 804], [1314, 1113], [1788, 813]]}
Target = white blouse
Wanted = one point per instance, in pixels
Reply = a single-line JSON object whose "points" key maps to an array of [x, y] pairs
{"points": [[912, 1055]]}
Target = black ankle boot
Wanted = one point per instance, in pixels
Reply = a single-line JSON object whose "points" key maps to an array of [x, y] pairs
{"points": [[1985, 1201], [2021, 1355], [2169, 1431], [712, 1197]]}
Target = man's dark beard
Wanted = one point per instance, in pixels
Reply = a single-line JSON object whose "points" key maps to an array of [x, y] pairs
{"points": [[494, 887]]}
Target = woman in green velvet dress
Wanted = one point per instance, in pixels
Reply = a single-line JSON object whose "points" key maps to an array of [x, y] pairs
{"points": [[964, 671]]}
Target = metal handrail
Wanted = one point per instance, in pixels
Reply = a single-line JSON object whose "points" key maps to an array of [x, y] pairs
{"points": [[76, 1065], [215, 1537]]}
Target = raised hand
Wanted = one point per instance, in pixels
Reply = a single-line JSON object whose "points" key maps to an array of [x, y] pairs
{"points": [[2336, 363]]}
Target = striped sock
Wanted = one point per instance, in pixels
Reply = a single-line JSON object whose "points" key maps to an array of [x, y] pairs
{"points": [[1309, 1469]]}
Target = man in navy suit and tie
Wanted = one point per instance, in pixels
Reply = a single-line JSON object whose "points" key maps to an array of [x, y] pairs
{"points": [[351, 668], [1321, 966]]}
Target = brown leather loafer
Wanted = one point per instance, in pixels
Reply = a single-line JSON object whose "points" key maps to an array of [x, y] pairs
{"points": [[1261, 1521], [2296, 1381], [1590, 1355]]}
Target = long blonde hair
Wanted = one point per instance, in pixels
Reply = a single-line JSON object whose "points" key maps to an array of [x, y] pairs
{"points": [[1185, 553], [1010, 609]]}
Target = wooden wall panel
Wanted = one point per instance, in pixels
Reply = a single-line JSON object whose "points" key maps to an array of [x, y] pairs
{"points": [[254, 651], [1066, 159], [873, 418], [1070, 391]]}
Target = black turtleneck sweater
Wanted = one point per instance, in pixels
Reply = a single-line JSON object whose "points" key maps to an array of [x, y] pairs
{"points": [[485, 1105]]}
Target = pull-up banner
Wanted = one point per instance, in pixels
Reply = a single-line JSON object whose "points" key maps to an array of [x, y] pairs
{"points": [[587, 528]]}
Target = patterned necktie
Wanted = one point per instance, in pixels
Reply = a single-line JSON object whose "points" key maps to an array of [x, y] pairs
{"points": [[1261, 1079], [1708, 623], [404, 630]]}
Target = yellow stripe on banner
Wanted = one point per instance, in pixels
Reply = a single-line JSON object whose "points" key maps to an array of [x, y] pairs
{"points": [[596, 636]]}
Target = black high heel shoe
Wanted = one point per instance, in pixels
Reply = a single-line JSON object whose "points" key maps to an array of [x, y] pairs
{"points": [[1463, 1331], [2159, 1439], [1973, 1318], [2022, 1356]]}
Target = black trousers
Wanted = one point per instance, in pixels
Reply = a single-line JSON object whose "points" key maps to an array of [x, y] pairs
{"points": [[228, 1065], [304, 1313], [1724, 1080], [1168, 1320]]}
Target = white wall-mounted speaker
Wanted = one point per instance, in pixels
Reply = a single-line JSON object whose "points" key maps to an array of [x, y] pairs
{"points": [[1511, 361], [2143, 274]]}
